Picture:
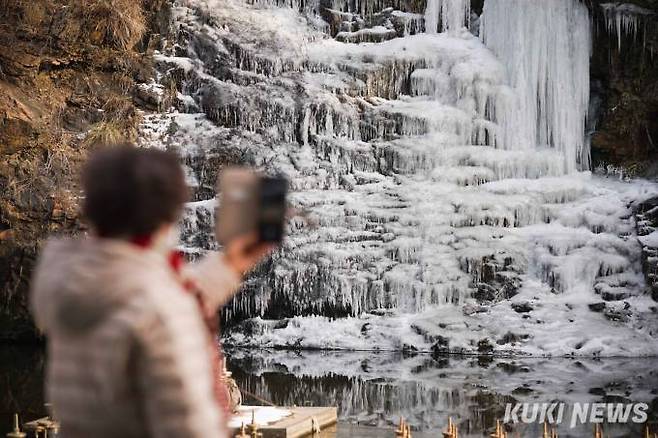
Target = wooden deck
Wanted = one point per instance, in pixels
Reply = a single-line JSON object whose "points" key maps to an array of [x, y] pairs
{"points": [[302, 422]]}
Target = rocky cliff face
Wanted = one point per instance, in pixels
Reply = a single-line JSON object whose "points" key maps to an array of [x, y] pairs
{"points": [[68, 75], [624, 73], [69, 79]]}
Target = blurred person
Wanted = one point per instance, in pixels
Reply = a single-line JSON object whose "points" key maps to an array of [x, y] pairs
{"points": [[130, 348]]}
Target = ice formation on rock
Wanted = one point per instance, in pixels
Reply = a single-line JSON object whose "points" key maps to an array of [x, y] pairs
{"points": [[546, 48], [422, 223], [623, 19], [451, 15]]}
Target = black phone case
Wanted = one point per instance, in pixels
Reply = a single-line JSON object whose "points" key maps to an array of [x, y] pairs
{"points": [[272, 209]]}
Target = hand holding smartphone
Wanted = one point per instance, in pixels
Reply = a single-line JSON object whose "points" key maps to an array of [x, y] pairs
{"points": [[250, 217], [245, 252]]}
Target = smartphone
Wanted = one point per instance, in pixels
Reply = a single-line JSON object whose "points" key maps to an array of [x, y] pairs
{"points": [[272, 208], [250, 202]]}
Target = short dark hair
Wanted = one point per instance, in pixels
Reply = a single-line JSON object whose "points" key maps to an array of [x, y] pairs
{"points": [[131, 191]]}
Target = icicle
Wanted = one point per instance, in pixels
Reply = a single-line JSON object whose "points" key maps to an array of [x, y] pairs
{"points": [[546, 46], [453, 15], [624, 20]]}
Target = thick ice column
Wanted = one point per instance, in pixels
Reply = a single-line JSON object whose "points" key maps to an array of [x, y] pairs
{"points": [[546, 47], [452, 15]]}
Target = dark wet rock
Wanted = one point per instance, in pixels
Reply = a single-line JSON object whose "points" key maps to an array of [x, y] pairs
{"points": [[499, 278], [476, 6], [485, 346], [511, 338], [382, 312], [646, 219], [251, 327], [485, 293], [295, 344], [198, 219], [615, 296], [596, 307], [615, 399], [524, 307], [408, 349], [427, 336], [441, 346], [597, 391], [523, 390], [281, 324], [618, 315]]}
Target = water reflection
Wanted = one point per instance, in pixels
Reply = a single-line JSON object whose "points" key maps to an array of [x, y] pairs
{"points": [[373, 390]]}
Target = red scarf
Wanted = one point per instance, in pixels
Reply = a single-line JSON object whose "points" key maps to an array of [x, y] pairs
{"points": [[176, 262]]}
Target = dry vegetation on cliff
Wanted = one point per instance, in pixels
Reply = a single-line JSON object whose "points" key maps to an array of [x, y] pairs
{"points": [[114, 23], [67, 72]]}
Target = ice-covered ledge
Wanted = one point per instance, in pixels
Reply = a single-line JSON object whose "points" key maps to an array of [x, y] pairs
{"points": [[626, 19]]}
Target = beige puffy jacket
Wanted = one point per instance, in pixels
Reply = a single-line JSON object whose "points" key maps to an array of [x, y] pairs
{"points": [[128, 352]]}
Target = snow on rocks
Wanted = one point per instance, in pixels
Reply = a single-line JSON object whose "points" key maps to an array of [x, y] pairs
{"points": [[418, 219]]}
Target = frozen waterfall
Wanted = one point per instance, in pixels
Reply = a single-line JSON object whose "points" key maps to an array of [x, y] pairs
{"points": [[435, 176], [451, 15], [546, 47]]}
